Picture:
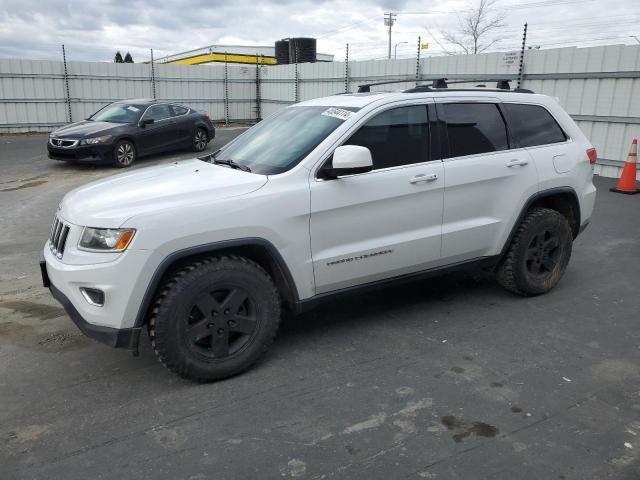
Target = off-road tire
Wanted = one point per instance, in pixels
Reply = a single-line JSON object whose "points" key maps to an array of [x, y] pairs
{"points": [[172, 316], [515, 271], [124, 154]]}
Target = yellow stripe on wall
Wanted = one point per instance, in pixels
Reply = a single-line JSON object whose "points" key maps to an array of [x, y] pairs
{"points": [[229, 58]]}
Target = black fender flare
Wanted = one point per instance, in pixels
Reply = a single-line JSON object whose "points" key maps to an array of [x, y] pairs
{"points": [[204, 249], [530, 201]]}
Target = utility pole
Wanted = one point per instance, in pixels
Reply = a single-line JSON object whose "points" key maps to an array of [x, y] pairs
{"points": [[389, 20]]}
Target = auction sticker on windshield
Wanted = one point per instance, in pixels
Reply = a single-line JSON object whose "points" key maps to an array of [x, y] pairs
{"points": [[337, 113], [133, 109]]}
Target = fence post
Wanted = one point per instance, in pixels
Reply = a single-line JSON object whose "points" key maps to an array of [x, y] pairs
{"points": [[226, 91], [258, 100], [153, 77], [418, 62], [521, 68], [346, 70], [66, 84], [296, 78]]}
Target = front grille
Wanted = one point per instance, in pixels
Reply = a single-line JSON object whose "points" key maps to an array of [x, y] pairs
{"points": [[58, 237], [62, 143]]}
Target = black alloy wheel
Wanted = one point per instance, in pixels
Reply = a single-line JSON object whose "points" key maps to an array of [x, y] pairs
{"points": [[221, 323], [200, 140]]}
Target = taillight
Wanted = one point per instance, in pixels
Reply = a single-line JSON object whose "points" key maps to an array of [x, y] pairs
{"points": [[593, 155]]}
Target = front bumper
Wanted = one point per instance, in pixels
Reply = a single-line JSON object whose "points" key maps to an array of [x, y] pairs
{"points": [[82, 154], [122, 281], [114, 337]]}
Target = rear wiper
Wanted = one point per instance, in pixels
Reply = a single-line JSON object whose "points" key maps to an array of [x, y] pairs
{"points": [[230, 163]]}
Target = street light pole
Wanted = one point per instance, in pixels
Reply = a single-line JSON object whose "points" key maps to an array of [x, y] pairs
{"points": [[395, 49], [389, 20]]}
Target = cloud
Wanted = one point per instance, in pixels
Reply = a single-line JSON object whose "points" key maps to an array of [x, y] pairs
{"points": [[93, 31]]}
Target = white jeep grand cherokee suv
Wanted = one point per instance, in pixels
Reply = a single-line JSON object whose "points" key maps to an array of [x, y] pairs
{"points": [[324, 197]]}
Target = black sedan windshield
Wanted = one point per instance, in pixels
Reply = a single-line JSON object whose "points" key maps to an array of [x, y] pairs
{"points": [[281, 141], [118, 113]]}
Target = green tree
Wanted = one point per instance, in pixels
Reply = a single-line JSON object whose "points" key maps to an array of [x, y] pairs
{"points": [[118, 57], [128, 58]]}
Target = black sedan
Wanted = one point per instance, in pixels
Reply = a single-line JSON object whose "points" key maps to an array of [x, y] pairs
{"points": [[122, 131]]}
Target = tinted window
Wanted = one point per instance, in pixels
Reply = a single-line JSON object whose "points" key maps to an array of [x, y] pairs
{"points": [[396, 137], [157, 112], [179, 110], [474, 128], [532, 125]]}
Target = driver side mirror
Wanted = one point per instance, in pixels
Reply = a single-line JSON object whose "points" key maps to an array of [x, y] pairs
{"points": [[348, 160], [144, 122]]}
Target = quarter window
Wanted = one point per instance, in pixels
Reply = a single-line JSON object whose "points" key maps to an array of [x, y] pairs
{"points": [[178, 110], [474, 128], [399, 136], [158, 112], [532, 125]]}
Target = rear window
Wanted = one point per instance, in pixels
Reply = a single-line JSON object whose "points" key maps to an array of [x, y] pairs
{"points": [[532, 125], [474, 128]]}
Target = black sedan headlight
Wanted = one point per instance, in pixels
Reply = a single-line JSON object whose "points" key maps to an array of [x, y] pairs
{"points": [[95, 140]]}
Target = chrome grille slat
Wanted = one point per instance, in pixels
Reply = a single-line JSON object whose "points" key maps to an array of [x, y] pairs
{"points": [[58, 237], [62, 143], [62, 241], [53, 227]]}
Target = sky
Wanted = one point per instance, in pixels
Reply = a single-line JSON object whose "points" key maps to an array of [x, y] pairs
{"points": [[93, 31]]}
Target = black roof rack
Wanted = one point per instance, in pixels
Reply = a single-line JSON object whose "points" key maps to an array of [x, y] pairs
{"points": [[443, 83], [365, 87]]}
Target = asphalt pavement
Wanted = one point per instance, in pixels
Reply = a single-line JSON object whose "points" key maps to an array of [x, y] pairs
{"points": [[449, 378]]}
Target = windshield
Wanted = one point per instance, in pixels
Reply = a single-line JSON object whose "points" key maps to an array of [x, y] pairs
{"points": [[118, 113], [281, 141]]}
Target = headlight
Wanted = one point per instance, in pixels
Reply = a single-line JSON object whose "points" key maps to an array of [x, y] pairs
{"points": [[94, 140], [106, 239]]}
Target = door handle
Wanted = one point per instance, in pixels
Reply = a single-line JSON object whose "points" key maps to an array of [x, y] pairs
{"points": [[421, 177], [517, 163]]}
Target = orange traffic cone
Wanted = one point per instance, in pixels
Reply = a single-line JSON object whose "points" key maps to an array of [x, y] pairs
{"points": [[627, 183]]}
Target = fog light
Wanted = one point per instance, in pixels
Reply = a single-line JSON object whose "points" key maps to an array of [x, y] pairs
{"points": [[93, 296]]}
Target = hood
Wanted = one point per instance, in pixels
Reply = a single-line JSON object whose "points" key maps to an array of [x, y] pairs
{"points": [[110, 202], [84, 128]]}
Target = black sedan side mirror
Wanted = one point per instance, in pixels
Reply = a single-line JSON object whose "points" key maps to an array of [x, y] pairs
{"points": [[145, 121]]}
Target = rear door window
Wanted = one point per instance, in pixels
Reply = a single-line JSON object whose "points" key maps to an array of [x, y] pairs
{"points": [[474, 128], [532, 125]]}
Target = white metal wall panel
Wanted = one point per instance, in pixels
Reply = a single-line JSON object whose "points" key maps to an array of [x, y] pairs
{"points": [[599, 86]]}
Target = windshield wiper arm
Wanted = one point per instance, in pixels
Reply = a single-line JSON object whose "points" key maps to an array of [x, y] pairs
{"points": [[230, 163]]}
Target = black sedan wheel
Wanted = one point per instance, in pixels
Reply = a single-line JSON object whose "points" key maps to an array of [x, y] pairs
{"points": [[200, 140], [124, 154]]}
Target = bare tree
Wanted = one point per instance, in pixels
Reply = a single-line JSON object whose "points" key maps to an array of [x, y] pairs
{"points": [[474, 33]]}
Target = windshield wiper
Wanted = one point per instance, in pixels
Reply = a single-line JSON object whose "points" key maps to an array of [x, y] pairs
{"points": [[211, 158], [230, 163]]}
